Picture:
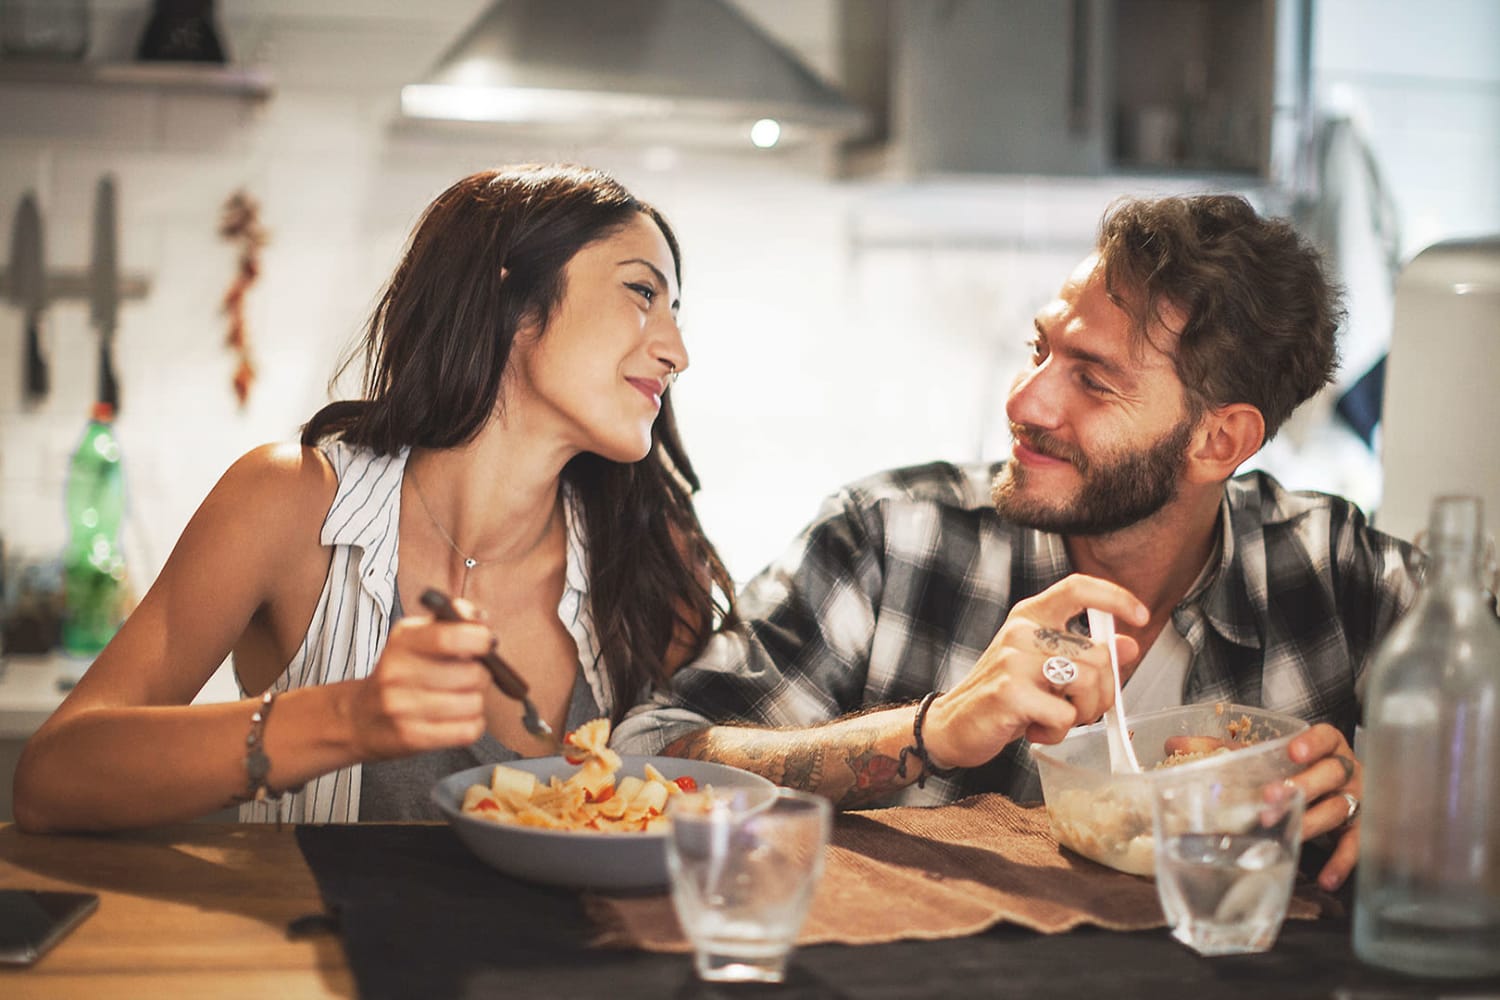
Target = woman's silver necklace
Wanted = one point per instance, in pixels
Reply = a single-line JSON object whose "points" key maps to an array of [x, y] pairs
{"points": [[469, 561]]}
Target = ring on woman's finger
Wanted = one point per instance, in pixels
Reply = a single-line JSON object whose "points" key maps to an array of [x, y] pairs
{"points": [[1353, 807], [1348, 765], [1059, 670]]}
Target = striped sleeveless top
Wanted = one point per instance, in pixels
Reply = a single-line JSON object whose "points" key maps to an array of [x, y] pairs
{"points": [[353, 616]]}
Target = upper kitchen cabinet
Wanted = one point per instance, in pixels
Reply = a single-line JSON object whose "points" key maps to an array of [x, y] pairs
{"points": [[1075, 87], [1015, 86], [1193, 84]]}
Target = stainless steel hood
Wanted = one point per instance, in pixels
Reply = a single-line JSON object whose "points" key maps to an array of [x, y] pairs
{"points": [[687, 69]]}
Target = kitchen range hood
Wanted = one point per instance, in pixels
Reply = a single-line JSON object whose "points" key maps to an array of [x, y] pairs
{"points": [[692, 70]]}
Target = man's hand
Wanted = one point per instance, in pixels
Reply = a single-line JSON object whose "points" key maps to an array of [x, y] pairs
{"points": [[1333, 781], [856, 760], [1006, 695]]}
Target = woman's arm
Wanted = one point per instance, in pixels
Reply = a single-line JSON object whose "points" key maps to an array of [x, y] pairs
{"points": [[126, 748]]}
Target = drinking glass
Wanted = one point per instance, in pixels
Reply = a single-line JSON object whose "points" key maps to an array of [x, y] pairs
{"points": [[742, 880], [1226, 859]]}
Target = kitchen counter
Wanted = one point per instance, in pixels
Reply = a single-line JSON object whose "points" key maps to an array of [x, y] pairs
{"points": [[31, 687]]}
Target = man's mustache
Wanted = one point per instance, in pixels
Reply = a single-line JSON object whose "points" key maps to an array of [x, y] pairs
{"points": [[1046, 443]]}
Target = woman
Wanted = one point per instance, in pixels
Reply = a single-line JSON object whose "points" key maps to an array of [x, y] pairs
{"points": [[516, 448]]}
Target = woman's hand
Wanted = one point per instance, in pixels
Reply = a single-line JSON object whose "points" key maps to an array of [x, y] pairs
{"points": [[1006, 695], [426, 691], [1333, 781]]}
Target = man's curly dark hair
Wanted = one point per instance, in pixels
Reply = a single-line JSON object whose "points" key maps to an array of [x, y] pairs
{"points": [[1258, 313]]}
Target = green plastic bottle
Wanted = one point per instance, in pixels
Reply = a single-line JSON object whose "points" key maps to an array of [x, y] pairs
{"points": [[93, 564]]}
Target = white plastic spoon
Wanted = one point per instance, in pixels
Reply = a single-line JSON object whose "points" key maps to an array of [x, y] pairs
{"points": [[1122, 758]]}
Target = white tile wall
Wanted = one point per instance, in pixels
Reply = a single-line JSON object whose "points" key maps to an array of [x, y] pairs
{"points": [[835, 328], [1425, 81]]}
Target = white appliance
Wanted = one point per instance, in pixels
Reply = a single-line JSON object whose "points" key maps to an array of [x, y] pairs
{"points": [[1440, 424]]}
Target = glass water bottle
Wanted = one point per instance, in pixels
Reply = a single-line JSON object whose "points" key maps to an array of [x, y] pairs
{"points": [[1428, 883]]}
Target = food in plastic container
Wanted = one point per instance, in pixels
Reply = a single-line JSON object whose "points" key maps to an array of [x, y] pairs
{"points": [[1107, 817]]}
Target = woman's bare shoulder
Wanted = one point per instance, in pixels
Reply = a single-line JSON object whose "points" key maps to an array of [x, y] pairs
{"points": [[264, 516], [274, 490], [292, 473], [287, 460]]}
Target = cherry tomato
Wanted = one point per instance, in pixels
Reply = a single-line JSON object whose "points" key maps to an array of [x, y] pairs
{"points": [[570, 753]]}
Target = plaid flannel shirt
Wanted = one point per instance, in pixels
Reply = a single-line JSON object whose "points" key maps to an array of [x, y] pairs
{"points": [[904, 578]]}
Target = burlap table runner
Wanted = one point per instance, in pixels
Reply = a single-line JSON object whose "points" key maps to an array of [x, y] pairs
{"points": [[930, 873]]}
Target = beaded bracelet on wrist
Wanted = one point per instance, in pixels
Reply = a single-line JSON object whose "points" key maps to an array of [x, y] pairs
{"points": [[918, 749], [257, 764]]}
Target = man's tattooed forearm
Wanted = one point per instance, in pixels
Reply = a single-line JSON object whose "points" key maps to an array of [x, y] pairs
{"points": [[803, 769], [875, 777], [1053, 641], [693, 746], [850, 770]]}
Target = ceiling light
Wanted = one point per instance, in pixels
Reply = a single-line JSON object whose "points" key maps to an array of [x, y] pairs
{"points": [[765, 133]]}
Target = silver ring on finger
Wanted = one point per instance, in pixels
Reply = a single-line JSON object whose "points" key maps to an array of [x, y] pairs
{"points": [[1059, 671], [1353, 807]]}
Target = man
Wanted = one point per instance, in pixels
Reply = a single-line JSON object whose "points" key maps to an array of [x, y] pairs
{"points": [[1168, 357]]}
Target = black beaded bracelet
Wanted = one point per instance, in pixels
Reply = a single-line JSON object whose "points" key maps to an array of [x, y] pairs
{"points": [[919, 748]]}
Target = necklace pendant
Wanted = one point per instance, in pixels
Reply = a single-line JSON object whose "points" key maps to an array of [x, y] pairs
{"points": [[470, 563]]}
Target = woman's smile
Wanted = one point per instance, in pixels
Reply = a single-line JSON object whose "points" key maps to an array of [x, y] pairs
{"points": [[651, 388]]}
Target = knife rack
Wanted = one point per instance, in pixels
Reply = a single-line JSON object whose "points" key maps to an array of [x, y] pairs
{"points": [[73, 285]]}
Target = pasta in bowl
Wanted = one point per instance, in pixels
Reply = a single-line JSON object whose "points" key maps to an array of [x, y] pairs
{"points": [[543, 829]]}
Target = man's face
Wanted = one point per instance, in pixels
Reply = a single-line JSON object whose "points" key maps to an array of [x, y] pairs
{"points": [[1100, 424]]}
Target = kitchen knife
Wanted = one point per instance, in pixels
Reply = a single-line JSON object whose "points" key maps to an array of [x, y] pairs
{"points": [[104, 288], [28, 290]]}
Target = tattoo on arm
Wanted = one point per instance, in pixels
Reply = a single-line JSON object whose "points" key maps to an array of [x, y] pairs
{"points": [[693, 746], [875, 777], [844, 761], [804, 770], [1053, 641]]}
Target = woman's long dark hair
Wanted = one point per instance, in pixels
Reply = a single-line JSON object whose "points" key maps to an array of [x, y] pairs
{"points": [[435, 351]]}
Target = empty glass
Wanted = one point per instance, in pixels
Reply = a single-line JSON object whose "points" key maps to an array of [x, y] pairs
{"points": [[743, 878], [1226, 859]]}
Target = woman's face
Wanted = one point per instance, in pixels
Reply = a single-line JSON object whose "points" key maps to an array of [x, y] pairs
{"points": [[597, 372]]}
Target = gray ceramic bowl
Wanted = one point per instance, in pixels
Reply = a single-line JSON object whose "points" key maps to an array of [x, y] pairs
{"points": [[583, 859]]}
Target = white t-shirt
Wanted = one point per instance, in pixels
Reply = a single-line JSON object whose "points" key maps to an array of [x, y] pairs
{"points": [[1161, 675], [1159, 678]]}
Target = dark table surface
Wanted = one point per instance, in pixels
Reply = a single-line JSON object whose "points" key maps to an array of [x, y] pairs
{"points": [[421, 917]]}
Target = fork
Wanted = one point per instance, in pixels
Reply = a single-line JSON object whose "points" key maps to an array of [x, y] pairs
{"points": [[510, 683]]}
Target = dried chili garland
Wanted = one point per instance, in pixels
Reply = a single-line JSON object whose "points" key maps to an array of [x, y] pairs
{"points": [[240, 223]]}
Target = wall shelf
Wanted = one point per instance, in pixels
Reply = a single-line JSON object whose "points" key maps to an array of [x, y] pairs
{"points": [[75, 285], [201, 78]]}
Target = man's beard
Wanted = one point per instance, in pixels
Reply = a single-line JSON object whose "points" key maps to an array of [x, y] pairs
{"points": [[1117, 492]]}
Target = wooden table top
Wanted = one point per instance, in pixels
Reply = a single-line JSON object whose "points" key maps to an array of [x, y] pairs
{"points": [[203, 909], [197, 909]]}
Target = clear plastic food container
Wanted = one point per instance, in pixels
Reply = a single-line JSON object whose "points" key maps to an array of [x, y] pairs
{"points": [[1107, 817]]}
